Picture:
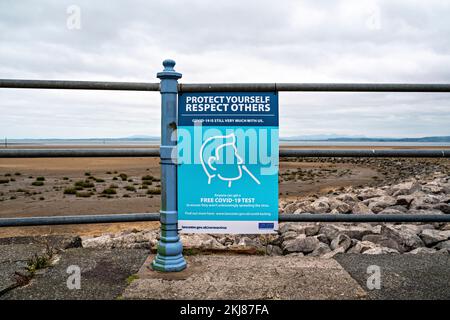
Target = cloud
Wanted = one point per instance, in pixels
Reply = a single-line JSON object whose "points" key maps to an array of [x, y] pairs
{"points": [[229, 41]]}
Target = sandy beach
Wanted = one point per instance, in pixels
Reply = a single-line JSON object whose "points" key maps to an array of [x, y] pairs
{"points": [[21, 196]]}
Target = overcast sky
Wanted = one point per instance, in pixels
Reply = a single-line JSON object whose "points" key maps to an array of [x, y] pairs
{"points": [[225, 41]]}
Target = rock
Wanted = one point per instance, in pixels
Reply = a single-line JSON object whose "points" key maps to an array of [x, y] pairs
{"points": [[380, 250], [339, 206], [103, 242], [433, 188], [247, 242], [361, 208], [331, 254], [416, 229], [201, 241], [444, 207], [297, 207], [302, 244], [295, 254], [323, 238], [405, 188], [362, 246], [371, 193], [443, 245], [422, 251], [272, 250], [390, 210], [376, 229], [382, 241], [424, 211], [289, 235], [424, 201], [380, 203], [348, 198], [125, 240], [431, 236], [329, 231], [405, 200], [310, 229], [398, 207], [320, 250], [341, 240], [226, 240], [72, 242], [354, 232], [406, 238], [446, 199], [321, 205]]}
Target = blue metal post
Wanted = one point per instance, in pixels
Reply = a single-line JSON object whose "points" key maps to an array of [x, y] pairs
{"points": [[170, 249]]}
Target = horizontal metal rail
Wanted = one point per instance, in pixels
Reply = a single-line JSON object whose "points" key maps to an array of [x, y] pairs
{"points": [[83, 85], [78, 219], [142, 217], [374, 153], [337, 87], [364, 218], [223, 87], [79, 153], [154, 152]]}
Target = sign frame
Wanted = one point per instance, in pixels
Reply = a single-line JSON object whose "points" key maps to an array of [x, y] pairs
{"points": [[228, 161]]}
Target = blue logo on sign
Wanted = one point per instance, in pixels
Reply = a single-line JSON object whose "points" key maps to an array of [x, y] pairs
{"points": [[265, 225]]}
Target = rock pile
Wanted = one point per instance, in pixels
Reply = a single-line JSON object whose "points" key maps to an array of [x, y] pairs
{"points": [[413, 196], [410, 197]]}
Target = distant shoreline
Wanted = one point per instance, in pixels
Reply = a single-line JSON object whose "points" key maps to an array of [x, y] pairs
{"points": [[282, 146]]}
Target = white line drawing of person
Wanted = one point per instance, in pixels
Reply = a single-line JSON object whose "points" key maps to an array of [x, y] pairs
{"points": [[209, 166]]}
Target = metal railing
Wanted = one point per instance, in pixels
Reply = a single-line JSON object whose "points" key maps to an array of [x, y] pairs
{"points": [[77, 85], [226, 87], [221, 87], [218, 87], [285, 153], [286, 217]]}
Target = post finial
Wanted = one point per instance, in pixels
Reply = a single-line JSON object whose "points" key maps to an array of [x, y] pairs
{"points": [[168, 65], [169, 72]]}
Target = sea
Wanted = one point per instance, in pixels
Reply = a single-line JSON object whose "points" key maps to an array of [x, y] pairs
{"points": [[156, 141]]}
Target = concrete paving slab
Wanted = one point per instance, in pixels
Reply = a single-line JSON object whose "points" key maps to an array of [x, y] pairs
{"points": [[406, 276], [104, 275], [247, 277], [13, 258]]}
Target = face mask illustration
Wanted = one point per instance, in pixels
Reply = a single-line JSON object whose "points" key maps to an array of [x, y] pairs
{"points": [[212, 164]]}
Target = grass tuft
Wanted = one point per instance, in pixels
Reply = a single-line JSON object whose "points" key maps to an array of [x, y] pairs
{"points": [[154, 191], [84, 184], [109, 191], [131, 278], [84, 194], [130, 188], [70, 191], [148, 178]]}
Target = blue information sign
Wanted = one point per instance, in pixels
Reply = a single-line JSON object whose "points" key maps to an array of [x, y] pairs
{"points": [[228, 162]]}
